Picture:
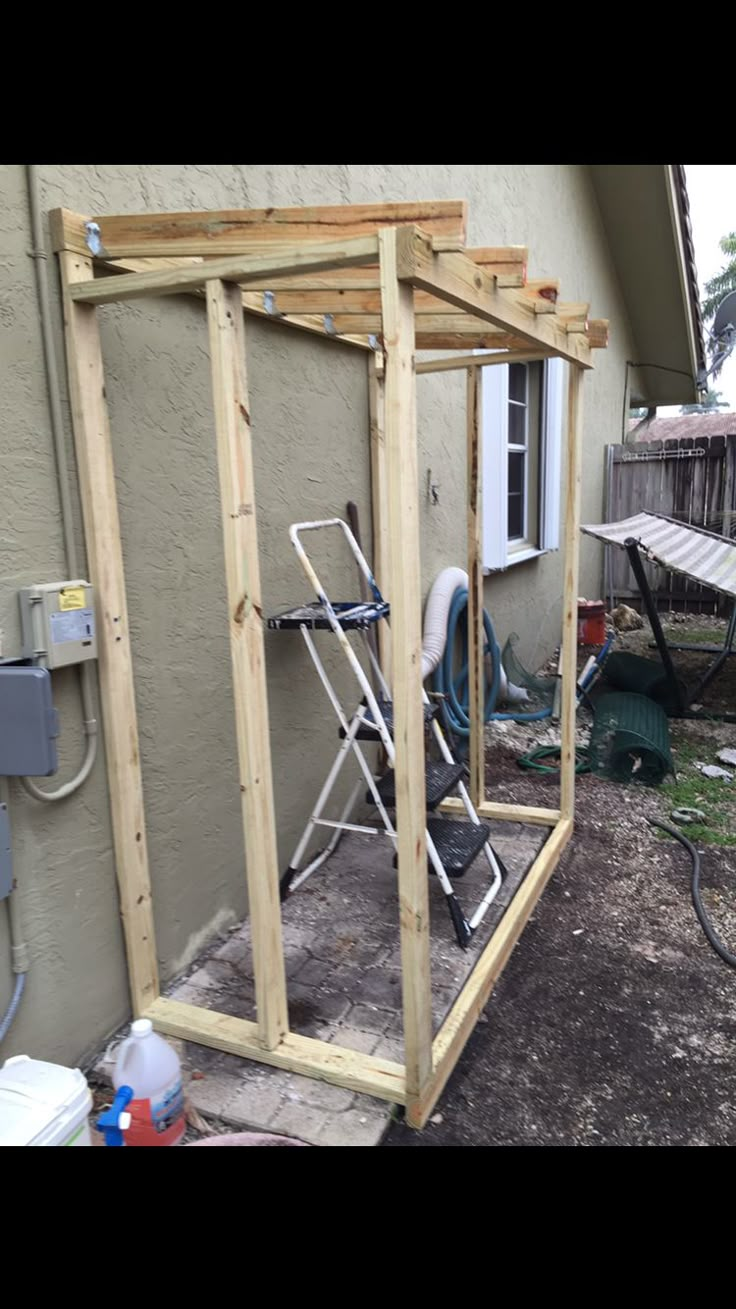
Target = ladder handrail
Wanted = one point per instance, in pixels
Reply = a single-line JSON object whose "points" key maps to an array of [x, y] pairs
{"points": [[360, 558], [332, 618]]}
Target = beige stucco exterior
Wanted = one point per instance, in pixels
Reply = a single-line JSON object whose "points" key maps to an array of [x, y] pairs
{"points": [[309, 407]]}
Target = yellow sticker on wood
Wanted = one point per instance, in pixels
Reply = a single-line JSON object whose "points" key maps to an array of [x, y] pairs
{"points": [[71, 598]]}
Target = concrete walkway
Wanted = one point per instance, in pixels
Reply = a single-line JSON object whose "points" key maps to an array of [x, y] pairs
{"points": [[342, 956]]}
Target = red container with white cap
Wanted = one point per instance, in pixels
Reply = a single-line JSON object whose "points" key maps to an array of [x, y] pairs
{"points": [[591, 622], [148, 1064]]}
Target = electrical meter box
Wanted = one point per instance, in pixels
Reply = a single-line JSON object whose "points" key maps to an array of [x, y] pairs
{"points": [[58, 623], [28, 723]]}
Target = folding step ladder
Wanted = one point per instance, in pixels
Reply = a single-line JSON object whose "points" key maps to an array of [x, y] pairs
{"points": [[452, 846]]}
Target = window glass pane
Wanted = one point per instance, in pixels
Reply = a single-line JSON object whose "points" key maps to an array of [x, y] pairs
{"points": [[517, 382], [517, 425], [516, 473], [516, 496], [516, 517]]}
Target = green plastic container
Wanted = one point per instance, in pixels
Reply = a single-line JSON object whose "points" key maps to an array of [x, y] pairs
{"points": [[630, 739], [630, 672]]}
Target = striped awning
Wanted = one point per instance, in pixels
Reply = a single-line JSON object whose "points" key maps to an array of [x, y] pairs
{"points": [[700, 555]]}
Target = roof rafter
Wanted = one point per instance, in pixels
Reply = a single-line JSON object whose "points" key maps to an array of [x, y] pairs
{"points": [[477, 298]]}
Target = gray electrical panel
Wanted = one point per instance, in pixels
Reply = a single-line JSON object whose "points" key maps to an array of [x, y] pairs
{"points": [[58, 623], [28, 723], [6, 862]]}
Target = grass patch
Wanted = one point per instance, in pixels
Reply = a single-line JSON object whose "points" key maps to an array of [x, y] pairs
{"points": [[696, 636], [691, 790]]}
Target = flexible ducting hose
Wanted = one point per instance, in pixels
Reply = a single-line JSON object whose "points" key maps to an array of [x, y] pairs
{"points": [[454, 686], [703, 918]]}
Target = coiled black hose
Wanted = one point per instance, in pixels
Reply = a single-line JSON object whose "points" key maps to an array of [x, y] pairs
{"points": [[703, 918]]}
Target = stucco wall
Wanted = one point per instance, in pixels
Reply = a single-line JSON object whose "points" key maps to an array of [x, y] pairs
{"points": [[309, 410]]}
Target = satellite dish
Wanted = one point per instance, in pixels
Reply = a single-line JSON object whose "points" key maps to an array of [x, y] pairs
{"points": [[722, 338], [725, 319]]}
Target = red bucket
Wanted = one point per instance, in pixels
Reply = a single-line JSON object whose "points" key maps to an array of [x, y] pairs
{"points": [[591, 622]]}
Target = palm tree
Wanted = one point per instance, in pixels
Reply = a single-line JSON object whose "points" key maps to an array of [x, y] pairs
{"points": [[724, 281]]}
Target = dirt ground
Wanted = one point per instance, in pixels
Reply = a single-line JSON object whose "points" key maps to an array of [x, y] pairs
{"points": [[614, 1022]]}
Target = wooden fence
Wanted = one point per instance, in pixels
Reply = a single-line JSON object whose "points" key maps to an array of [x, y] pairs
{"points": [[690, 479]]}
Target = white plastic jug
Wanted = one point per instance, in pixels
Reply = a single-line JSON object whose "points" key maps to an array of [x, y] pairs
{"points": [[148, 1064]]}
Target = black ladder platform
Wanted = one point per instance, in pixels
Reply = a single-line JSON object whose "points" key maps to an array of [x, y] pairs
{"points": [[440, 779], [457, 844], [351, 615], [369, 732]]}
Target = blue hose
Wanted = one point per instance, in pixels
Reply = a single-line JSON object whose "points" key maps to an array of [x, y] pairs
{"points": [[455, 688], [14, 1005]]}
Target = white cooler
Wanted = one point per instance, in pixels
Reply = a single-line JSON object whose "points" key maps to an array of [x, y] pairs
{"points": [[43, 1104]]}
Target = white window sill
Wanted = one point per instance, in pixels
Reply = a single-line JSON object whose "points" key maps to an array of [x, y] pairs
{"points": [[517, 557]]}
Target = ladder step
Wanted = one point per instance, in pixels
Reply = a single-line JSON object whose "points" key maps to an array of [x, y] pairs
{"points": [[441, 778], [370, 733], [350, 614], [458, 844]]}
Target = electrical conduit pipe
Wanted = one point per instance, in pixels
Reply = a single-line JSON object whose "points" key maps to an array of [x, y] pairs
{"points": [[18, 947], [38, 255]]}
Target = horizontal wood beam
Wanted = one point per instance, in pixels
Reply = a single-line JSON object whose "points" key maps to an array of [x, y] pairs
{"points": [[349, 300], [508, 272], [508, 263], [456, 278], [298, 1054], [243, 231], [598, 333], [454, 362], [65, 224], [452, 323], [172, 280], [506, 813], [459, 1023], [469, 341]]}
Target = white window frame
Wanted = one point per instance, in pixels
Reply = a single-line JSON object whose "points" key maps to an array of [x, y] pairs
{"points": [[498, 551]]}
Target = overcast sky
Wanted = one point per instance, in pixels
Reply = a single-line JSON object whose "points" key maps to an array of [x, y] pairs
{"points": [[712, 192]]}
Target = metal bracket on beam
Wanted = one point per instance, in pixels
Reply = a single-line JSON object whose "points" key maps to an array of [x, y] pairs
{"points": [[94, 238]]}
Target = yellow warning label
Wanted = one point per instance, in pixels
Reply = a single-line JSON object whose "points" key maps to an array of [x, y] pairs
{"points": [[71, 598]]}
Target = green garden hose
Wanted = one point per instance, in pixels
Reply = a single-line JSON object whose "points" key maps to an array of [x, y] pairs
{"points": [[532, 761]]}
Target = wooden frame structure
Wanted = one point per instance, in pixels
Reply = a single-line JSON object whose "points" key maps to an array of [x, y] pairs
{"points": [[388, 280]]}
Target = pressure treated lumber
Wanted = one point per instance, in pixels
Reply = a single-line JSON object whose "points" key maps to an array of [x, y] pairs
{"points": [[404, 593], [471, 340], [447, 320], [476, 633], [429, 299], [242, 574], [459, 1023], [92, 443], [508, 263], [454, 362], [171, 280], [510, 813], [571, 564], [456, 278], [239, 231], [297, 1054], [598, 333], [379, 498], [366, 301], [67, 226]]}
